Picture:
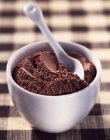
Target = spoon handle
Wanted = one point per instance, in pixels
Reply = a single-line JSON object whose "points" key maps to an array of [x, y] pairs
{"points": [[33, 11]]}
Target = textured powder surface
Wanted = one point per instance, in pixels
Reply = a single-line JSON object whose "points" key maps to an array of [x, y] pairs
{"points": [[42, 74]]}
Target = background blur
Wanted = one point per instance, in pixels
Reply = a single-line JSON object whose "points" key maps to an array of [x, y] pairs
{"points": [[83, 21], [86, 22]]}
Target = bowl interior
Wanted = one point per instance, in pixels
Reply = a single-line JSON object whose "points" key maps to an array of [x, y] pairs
{"points": [[41, 46]]}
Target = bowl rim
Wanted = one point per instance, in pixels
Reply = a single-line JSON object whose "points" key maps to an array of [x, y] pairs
{"points": [[12, 81]]}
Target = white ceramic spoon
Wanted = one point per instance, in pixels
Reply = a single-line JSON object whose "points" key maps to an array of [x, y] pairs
{"points": [[34, 12]]}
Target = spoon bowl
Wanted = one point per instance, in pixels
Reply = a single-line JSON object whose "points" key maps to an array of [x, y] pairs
{"points": [[34, 12]]}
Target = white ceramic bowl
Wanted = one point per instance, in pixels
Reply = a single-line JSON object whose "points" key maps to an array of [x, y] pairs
{"points": [[53, 113]]}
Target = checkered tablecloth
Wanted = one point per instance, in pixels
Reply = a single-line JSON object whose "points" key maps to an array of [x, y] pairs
{"points": [[83, 21]]}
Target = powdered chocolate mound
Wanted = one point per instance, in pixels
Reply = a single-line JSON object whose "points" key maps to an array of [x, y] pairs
{"points": [[42, 74]]}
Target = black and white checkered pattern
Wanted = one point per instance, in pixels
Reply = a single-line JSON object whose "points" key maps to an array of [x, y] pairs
{"points": [[83, 21]]}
